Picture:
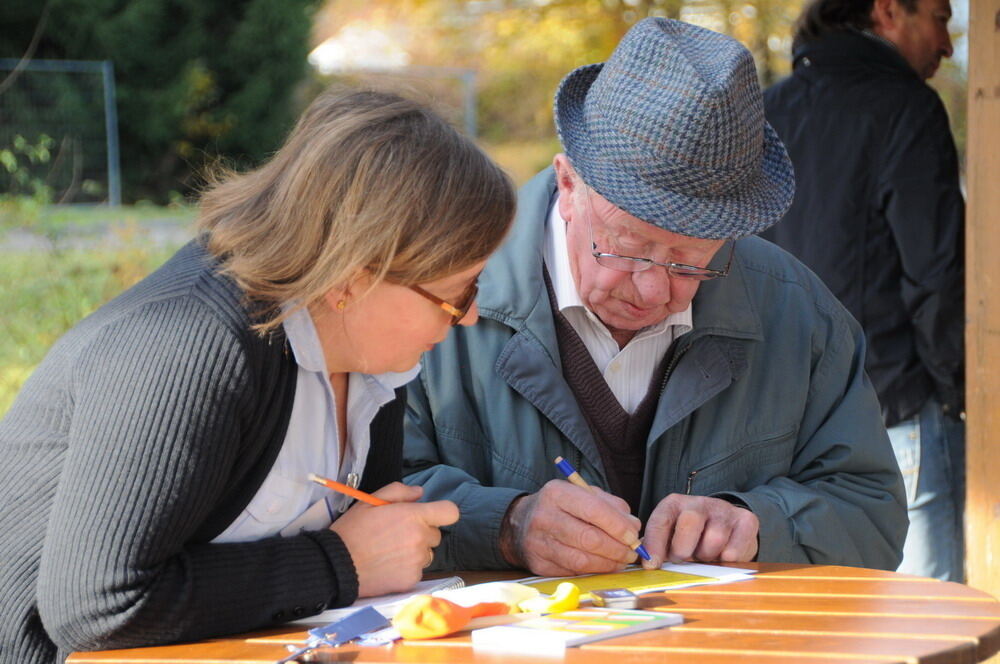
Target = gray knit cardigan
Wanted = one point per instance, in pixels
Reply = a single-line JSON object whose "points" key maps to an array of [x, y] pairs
{"points": [[142, 435]]}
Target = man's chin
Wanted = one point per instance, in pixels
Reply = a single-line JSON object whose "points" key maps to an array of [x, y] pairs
{"points": [[630, 322]]}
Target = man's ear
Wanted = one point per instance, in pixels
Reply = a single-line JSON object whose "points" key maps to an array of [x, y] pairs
{"points": [[885, 18], [567, 181]]}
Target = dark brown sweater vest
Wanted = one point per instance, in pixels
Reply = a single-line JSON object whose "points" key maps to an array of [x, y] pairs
{"points": [[620, 437]]}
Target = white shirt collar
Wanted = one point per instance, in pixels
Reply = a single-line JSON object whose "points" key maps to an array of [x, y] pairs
{"points": [[567, 297]]}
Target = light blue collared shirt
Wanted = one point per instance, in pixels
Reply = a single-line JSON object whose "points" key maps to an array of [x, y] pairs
{"points": [[287, 502]]}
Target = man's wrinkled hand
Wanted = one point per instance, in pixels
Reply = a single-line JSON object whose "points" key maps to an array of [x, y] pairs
{"points": [[683, 528], [565, 529]]}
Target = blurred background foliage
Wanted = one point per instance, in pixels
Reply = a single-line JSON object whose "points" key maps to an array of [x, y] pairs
{"points": [[520, 50], [203, 81], [48, 292], [196, 79]]}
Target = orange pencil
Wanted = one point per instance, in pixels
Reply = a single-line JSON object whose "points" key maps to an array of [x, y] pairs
{"points": [[347, 490]]}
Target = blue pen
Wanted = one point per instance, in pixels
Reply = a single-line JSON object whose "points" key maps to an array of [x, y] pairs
{"points": [[574, 477]]}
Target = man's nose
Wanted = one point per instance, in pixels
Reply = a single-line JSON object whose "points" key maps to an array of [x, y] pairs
{"points": [[653, 285], [948, 50]]}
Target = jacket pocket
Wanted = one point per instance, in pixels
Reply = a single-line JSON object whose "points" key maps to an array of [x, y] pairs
{"points": [[751, 464], [474, 454]]}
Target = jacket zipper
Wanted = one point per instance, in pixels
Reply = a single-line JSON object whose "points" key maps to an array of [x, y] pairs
{"points": [[690, 482], [663, 386], [692, 475], [672, 365]]}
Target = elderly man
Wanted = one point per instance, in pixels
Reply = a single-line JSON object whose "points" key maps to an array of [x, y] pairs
{"points": [[696, 377], [879, 216]]}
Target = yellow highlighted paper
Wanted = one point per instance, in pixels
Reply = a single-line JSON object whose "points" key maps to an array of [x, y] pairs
{"points": [[640, 580]]}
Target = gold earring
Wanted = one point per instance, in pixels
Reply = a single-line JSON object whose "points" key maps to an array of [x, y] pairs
{"points": [[341, 305]]}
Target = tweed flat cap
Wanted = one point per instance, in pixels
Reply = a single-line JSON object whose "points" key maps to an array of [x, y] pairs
{"points": [[671, 129]]}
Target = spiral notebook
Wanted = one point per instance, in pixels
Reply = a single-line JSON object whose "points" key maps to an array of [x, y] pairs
{"points": [[387, 605]]}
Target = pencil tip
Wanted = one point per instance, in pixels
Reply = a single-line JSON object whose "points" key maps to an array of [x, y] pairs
{"points": [[641, 550]]}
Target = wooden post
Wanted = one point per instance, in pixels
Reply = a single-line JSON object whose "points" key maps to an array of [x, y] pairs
{"points": [[983, 299]]}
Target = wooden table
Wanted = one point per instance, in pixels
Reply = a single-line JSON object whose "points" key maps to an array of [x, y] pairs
{"points": [[801, 614]]}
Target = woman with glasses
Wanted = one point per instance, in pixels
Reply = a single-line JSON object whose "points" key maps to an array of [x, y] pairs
{"points": [[155, 477]]}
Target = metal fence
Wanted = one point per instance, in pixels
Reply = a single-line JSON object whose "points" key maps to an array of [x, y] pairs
{"points": [[68, 106]]}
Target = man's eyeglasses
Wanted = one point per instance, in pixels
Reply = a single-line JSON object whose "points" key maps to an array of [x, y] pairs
{"points": [[635, 264], [456, 311]]}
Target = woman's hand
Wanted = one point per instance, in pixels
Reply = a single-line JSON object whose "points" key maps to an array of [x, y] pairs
{"points": [[392, 544]]}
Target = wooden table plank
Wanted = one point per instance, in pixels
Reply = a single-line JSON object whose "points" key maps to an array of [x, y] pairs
{"points": [[834, 606], [788, 613], [725, 649], [984, 642], [768, 642], [853, 588]]}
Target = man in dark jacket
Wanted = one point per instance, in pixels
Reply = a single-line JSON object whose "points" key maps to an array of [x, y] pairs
{"points": [[878, 215]]}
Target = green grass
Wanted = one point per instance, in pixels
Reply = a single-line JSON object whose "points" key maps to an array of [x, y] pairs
{"points": [[77, 217], [45, 293], [58, 221]]}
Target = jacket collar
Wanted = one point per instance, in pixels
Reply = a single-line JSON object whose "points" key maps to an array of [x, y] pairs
{"points": [[513, 293], [851, 48], [515, 296]]}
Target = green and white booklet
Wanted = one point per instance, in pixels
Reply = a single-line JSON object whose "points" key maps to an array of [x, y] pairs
{"points": [[551, 634]]}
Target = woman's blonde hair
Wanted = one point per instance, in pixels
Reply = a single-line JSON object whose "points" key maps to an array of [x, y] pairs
{"points": [[366, 180]]}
